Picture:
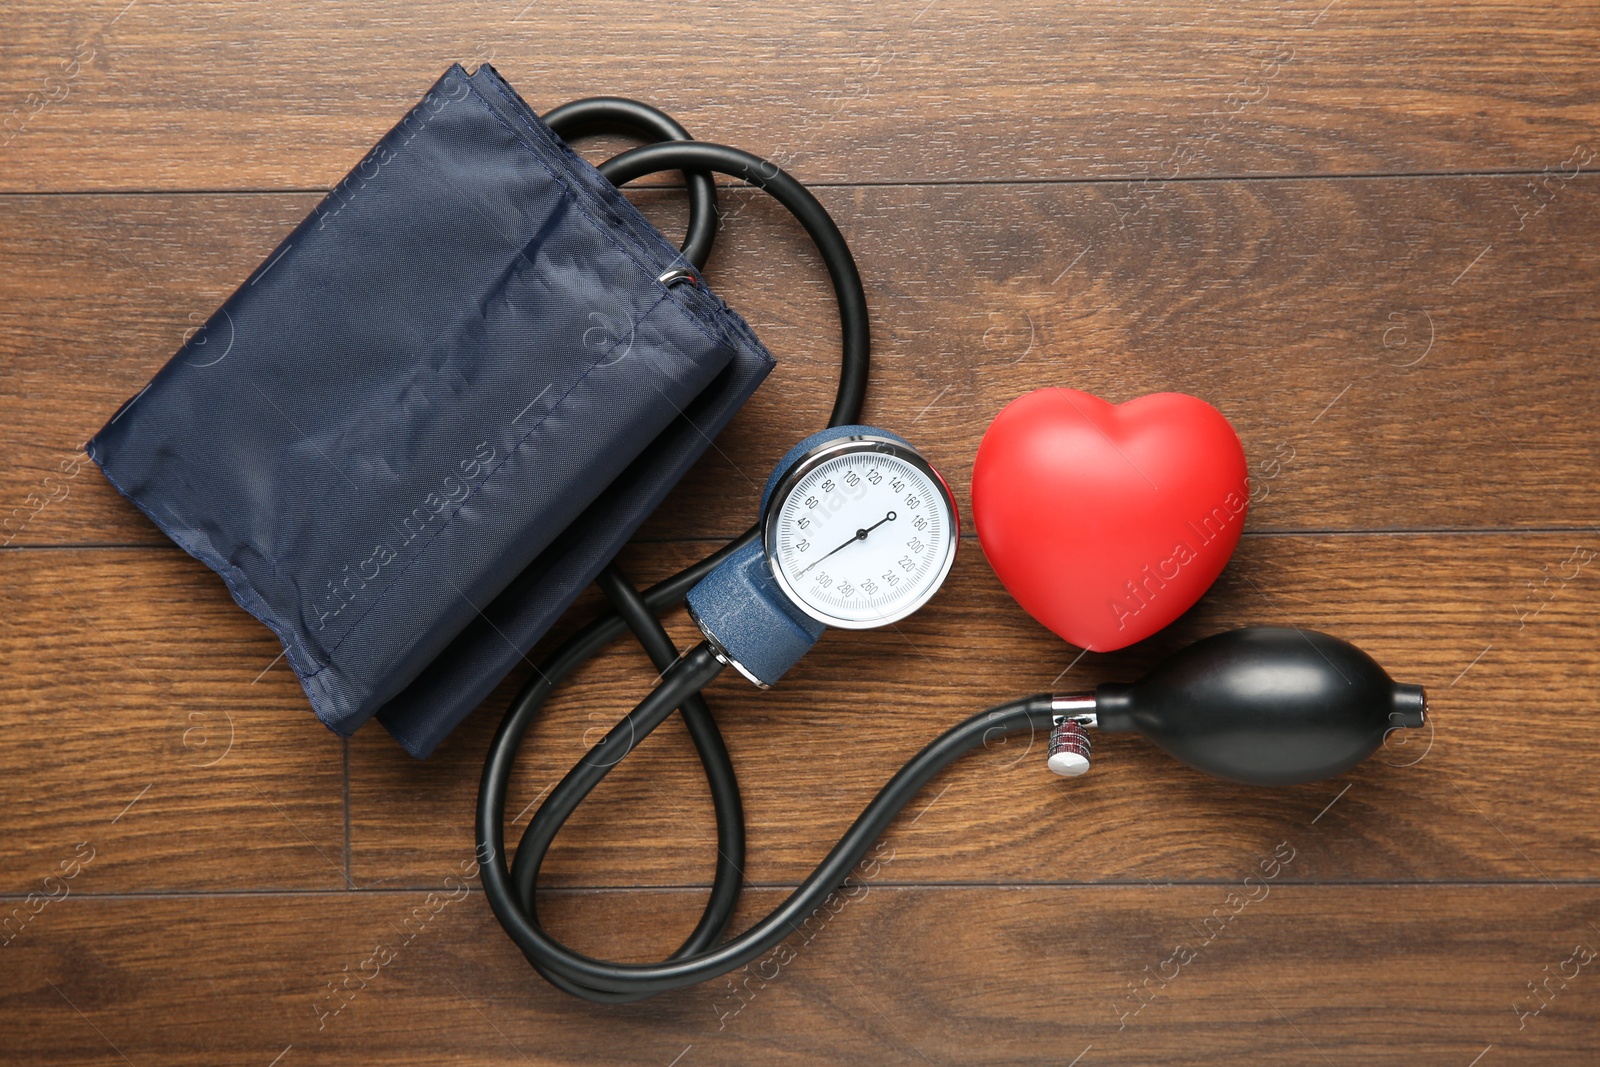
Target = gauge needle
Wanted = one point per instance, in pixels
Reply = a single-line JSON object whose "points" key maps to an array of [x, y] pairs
{"points": [[860, 535]]}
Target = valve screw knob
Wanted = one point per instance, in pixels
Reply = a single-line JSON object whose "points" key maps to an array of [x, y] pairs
{"points": [[1069, 749]]}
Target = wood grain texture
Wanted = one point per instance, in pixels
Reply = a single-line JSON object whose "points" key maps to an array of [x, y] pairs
{"points": [[259, 96], [1298, 975], [1394, 354], [1368, 231], [129, 721], [1453, 612], [1452, 805]]}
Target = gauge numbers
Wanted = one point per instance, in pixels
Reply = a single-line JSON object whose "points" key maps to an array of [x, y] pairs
{"points": [[861, 535]]}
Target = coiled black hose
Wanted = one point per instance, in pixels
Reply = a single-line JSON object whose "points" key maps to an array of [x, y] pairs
{"points": [[512, 890]]}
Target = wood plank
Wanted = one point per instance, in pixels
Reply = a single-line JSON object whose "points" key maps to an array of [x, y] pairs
{"points": [[1372, 975], [1394, 354], [122, 630], [1479, 796], [1363, 229], [129, 723], [256, 96]]}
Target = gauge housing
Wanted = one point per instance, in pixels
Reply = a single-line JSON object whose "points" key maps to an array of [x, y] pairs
{"points": [[925, 580], [748, 608]]}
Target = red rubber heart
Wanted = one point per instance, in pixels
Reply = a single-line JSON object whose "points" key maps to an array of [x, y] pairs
{"points": [[1108, 521]]}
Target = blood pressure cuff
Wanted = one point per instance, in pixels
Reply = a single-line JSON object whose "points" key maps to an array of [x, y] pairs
{"points": [[427, 420]]}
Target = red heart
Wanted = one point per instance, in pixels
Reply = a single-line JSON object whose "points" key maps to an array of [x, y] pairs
{"points": [[1108, 521]]}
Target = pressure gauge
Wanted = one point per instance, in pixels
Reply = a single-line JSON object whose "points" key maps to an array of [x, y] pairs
{"points": [[860, 531], [857, 531]]}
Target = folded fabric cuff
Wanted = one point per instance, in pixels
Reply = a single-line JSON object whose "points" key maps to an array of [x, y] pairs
{"points": [[410, 438]]}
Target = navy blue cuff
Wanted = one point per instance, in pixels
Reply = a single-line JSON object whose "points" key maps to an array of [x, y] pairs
{"points": [[422, 425]]}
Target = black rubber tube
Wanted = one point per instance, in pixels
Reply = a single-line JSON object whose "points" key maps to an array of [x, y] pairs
{"points": [[824, 233], [617, 114], [627, 602], [511, 892], [601, 980]]}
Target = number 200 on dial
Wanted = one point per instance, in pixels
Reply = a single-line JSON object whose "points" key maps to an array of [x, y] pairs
{"points": [[861, 533]]}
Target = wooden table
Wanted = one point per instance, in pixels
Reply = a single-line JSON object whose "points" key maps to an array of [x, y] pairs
{"points": [[1366, 230]]}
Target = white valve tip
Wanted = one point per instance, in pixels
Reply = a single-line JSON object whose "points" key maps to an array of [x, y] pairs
{"points": [[1068, 764]]}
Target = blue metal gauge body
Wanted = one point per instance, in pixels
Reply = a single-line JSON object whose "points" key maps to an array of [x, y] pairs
{"points": [[857, 531]]}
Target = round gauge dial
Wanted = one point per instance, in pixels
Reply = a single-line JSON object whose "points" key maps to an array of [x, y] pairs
{"points": [[861, 532]]}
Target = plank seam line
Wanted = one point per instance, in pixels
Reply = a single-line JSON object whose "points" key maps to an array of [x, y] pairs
{"points": [[1309, 531], [1011, 886], [1130, 179]]}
